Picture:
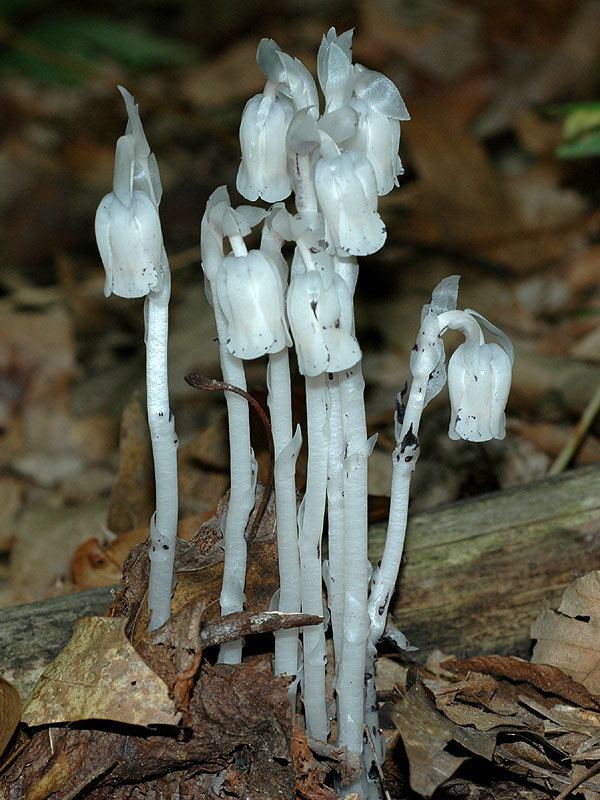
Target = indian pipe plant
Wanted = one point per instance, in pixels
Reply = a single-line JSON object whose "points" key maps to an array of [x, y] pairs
{"points": [[335, 162]]}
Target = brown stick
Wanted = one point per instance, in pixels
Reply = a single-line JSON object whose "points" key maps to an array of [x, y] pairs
{"points": [[243, 623]]}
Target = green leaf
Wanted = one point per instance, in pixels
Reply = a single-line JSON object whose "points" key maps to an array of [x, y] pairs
{"points": [[585, 146], [67, 48]]}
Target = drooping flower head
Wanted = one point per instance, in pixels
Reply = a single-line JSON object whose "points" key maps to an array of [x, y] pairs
{"points": [[347, 191], [321, 321], [380, 109], [128, 231], [263, 171], [479, 378], [251, 297]]}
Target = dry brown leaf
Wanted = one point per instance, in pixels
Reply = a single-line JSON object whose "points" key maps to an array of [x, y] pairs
{"points": [[546, 678], [99, 675], [10, 712], [310, 774], [569, 637], [239, 729], [95, 565], [425, 733]]}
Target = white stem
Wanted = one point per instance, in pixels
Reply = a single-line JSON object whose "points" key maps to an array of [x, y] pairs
{"points": [[280, 406], [404, 459], [356, 565], [304, 188], [241, 491], [310, 523], [238, 246], [163, 526], [335, 516]]}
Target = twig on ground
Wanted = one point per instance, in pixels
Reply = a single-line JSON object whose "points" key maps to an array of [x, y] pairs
{"points": [[577, 438]]}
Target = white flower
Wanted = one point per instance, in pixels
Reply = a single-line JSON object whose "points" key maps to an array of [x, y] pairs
{"points": [[347, 193], [128, 231], [130, 243], [380, 108], [321, 322], [264, 169], [479, 378], [378, 137], [250, 294]]}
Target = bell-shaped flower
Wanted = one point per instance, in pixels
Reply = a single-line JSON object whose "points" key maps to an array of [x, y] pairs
{"points": [[378, 138], [263, 172], [380, 108], [128, 232], [347, 192], [250, 294], [479, 378], [321, 321], [335, 71]]}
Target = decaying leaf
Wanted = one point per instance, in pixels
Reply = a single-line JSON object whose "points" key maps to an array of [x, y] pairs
{"points": [[309, 773], [10, 712], [95, 565], [99, 675], [238, 738], [544, 677], [569, 637], [425, 733]]}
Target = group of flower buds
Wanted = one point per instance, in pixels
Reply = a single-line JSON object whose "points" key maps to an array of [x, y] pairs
{"points": [[350, 152]]}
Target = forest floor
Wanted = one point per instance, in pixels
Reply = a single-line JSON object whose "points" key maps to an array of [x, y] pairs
{"points": [[493, 190]]}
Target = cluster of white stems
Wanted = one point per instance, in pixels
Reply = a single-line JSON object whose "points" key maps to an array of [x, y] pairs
{"points": [[336, 164]]}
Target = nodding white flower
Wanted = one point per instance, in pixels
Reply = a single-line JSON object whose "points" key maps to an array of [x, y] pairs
{"points": [[334, 69], [263, 171], [347, 192], [479, 378], [380, 108], [128, 231], [250, 293], [321, 321]]}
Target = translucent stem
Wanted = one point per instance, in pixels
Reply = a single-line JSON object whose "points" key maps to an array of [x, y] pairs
{"points": [[286, 451], [403, 463], [356, 565], [241, 492], [335, 516], [163, 526], [310, 524]]}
